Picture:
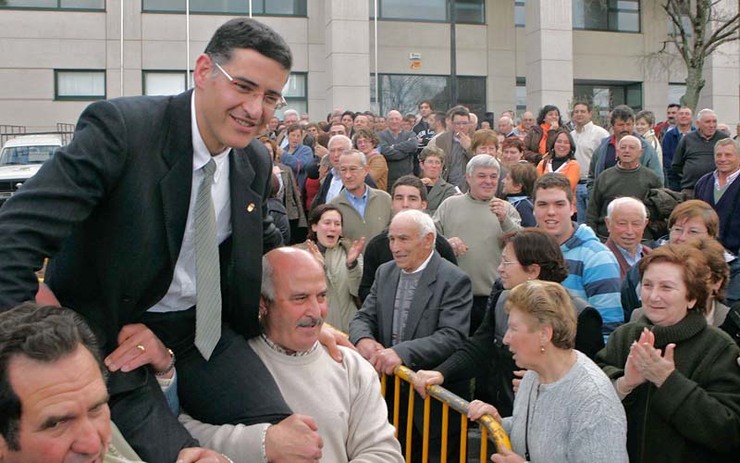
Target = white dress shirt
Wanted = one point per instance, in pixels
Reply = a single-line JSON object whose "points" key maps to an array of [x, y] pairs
{"points": [[181, 293]]}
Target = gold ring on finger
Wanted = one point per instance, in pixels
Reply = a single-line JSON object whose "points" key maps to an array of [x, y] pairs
{"points": [[141, 348]]}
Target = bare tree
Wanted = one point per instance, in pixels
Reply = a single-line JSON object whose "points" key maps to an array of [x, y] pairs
{"points": [[701, 26]]}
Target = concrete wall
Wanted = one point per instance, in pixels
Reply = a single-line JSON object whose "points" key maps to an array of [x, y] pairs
{"points": [[335, 45]]}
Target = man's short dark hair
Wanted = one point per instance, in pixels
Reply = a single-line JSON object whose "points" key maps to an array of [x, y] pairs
{"points": [[427, 102], [553, 180], [250, 34], [585, 103], [440, 118], [41, 333], [412, 181], [623, 113], [674, 105], [457, 111], [349, 113]]}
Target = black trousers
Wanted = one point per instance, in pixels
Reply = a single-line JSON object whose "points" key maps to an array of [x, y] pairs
{"points": [[233, 387]]}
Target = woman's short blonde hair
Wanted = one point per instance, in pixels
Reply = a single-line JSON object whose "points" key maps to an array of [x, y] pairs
{"points": [[550, 304]]}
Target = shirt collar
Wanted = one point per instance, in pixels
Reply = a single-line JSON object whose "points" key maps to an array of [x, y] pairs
{"points": [[421, 267], [285, 351], [201, 155]]}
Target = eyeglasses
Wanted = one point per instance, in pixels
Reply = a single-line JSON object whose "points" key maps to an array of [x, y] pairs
{"points": [[691, 231], [505, 262], [269, 100]]}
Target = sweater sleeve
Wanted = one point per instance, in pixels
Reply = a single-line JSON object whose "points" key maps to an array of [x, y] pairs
{"points": [[238, 442], [370, 435], [706, 413]]}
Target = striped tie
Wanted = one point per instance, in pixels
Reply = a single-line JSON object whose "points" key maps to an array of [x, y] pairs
{"points": [[207, 275]]}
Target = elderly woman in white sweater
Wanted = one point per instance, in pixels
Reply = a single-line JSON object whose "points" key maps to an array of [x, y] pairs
{"points": [[566, 409]]}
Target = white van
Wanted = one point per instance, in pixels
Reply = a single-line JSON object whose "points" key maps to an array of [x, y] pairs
{"points": [[22, 157]]}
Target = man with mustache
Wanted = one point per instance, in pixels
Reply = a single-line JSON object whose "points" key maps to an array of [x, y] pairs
{"points": [[341, 401], [53, 399], [622, 121]]}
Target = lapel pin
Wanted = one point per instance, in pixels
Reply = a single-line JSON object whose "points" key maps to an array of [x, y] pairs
{"points": [[250, 207]]}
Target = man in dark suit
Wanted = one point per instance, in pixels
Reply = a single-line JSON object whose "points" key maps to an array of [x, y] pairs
{"points": [[115, 212], [418, 310]]}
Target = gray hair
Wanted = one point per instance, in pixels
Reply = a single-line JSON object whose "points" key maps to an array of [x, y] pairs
{"points": [[343, 138], [358, 153], [268, 284], [625, 201], [704, 111], [290, 111], [727, 141], [506, 119], [422, 220], [480, 161]]}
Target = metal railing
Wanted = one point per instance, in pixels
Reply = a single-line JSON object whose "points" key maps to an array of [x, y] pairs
{"points": [[489, 427]]}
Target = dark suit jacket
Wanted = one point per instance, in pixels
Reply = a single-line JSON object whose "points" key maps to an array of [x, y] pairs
{"points": [[111, 209], [438, 320]]}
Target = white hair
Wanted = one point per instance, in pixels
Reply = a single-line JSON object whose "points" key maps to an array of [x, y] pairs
{"points": [[422, 220], [481, 160], [336, 138], [625, 201], [289, 111], [704, 111], [359, 154], [632, 138]]}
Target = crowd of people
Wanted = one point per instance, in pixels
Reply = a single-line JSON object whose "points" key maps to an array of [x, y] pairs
{"points": [[213, 256]]}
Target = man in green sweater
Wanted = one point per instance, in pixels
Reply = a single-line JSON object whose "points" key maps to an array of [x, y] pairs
{"points": [[627, 178]]}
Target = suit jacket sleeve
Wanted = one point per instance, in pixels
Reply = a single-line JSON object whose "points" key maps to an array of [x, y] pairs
{"points": [[36, 221], [453, 325]]}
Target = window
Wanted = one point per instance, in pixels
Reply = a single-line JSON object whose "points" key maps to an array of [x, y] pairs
{"points": [[520, 14], [54, 4], [295, 93], [231, 7], [466, 11], [521, 95], [606, 95], [79, 84], [164, 82], [404, 92], [676, 91], [607, 15]]}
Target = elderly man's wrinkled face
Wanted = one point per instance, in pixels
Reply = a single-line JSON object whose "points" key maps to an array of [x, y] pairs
{"points": [[294, 319], [361, 122], [528, 120], [394, 121], [483, 182], [336, 148], [707, 125], [409, 247], [626, 226], [727, 159], [65, 416]]}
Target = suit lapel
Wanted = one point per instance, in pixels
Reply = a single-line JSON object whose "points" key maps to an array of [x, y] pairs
{"points": [[387, 304], [175, 186], [423, 294]]}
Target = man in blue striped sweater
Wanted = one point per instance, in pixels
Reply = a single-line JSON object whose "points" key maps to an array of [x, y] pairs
{"points": [[593, 269]]}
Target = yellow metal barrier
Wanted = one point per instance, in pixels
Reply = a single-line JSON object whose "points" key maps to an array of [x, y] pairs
{"points": [[489, 426]]}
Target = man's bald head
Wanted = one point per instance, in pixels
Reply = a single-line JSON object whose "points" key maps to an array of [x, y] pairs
{"points": [[281, 263]]}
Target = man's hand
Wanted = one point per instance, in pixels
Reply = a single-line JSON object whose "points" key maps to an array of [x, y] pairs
{"points": [[458, 246], [368, 347], [330, 338], [385, 361], [201, 455], [45, 296], [294, 439], [137, 346], [465, 140], [424, 378], [498, 207]]}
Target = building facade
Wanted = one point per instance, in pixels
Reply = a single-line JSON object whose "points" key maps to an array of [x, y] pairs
{"points": [[58, 55]]}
